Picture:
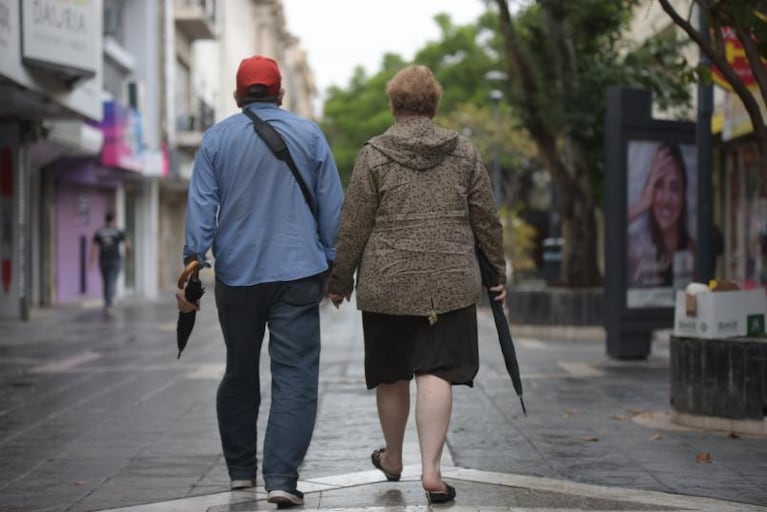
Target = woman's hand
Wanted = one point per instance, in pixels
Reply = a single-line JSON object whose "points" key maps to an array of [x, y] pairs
{"points": [[336, 299], [500, 292], [184, 306]]}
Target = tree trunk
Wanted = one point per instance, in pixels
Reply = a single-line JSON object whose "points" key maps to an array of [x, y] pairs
{"points": [[579, 230], [580, 266]]}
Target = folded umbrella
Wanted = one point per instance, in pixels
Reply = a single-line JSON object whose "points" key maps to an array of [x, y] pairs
{"points": [[190, 278], [489, 279]]}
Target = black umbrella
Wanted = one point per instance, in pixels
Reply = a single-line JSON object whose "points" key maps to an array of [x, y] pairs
{"points": [[489, 279], [194, 290]]}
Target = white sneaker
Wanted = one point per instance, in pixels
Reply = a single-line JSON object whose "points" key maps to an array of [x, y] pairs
{"points": [[241, 484], [285, 498]]}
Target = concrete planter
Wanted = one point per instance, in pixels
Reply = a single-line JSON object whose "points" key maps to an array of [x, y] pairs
{"points": [[719, 382]]}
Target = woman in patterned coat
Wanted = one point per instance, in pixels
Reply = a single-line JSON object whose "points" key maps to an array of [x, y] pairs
{"points": [[418, 203]]}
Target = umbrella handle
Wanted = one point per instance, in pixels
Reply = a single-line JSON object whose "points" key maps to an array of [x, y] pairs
{"points": [[192, 269]]}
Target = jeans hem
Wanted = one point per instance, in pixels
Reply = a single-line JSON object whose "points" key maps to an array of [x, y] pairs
{"points": [[242, 474], [280, 482]]}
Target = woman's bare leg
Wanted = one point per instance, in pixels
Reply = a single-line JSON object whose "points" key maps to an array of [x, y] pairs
{"points": [[434, 403], [393, 401]]}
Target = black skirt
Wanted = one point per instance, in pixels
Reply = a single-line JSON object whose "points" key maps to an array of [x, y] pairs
{"points": [[400, 346]]}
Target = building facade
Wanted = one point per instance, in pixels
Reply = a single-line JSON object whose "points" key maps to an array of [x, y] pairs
{"points": [[98, 115], [51, 71]]}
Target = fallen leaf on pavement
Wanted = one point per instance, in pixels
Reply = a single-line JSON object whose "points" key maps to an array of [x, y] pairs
{"points": [[589, 438], [703, 458], [734, 435], [81, 482], [571, 410], [636, 410], [618, 417], [656, 436]]}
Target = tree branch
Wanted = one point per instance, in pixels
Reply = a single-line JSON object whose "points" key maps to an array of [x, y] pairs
{"points": [[754, 60], [544, 137], [518, 62], [748, 99]]}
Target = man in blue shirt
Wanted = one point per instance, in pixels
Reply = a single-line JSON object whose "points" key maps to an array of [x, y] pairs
{"points": [[271, 257]]}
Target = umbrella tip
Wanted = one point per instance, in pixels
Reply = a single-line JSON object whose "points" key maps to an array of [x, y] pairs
{"points": [[179, 357], [524, 409]]}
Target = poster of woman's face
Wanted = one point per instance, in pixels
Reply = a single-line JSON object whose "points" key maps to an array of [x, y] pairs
{"points": [[662, 221]]}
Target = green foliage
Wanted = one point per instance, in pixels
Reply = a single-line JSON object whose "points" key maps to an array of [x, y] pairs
{"points": [[751, 15], [353, 115], [491, 133], [459, 60], [577, 50], [519, 242]]}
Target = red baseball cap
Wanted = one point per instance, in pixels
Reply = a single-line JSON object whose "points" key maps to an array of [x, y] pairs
{"points": [[258, 70]]}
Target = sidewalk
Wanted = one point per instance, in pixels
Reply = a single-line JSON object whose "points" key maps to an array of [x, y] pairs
{"points": [[97, 414]]}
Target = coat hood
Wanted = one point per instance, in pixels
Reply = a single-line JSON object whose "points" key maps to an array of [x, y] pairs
{"points": [[416, 143]]}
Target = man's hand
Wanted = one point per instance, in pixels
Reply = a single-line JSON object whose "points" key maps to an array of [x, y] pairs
{"points": [[500, 290], [184, 306]]}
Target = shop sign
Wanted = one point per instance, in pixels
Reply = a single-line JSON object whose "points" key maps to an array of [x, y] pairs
{"points": [[123, 139], [61, 35], [735, 55], [737, 121]]}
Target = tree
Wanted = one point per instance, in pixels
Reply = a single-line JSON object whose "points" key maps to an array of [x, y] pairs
{"points": [[354, 114], [748, 20], [459, 60], [562, 57]]}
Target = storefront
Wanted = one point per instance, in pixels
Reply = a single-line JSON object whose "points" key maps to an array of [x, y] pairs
{"points": [[10, 267], [50, 68], [84, 191], [744, 205], [743, 202], [745, 243]]}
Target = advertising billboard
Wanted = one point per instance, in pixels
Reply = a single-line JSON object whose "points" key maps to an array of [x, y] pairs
{"points": [[661, 192]]}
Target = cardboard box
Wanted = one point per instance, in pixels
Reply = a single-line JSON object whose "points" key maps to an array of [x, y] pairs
{"points": [[723, 314]]}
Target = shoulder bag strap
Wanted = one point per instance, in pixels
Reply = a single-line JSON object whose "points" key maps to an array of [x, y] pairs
{"points": [[277, 145]]}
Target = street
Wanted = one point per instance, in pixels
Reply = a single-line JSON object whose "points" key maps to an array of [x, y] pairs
{"points": [[97, 414]]}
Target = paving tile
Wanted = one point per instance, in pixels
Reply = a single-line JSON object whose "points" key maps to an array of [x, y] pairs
{"points": [[133, 428]]}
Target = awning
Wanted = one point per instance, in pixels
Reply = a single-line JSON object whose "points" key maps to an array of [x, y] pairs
{"points": [[65, 138]]}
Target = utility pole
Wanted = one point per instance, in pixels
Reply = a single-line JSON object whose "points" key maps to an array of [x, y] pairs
{"points": [[704, 142]]}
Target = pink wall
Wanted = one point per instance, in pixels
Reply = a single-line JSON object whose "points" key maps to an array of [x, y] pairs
{"points": [[80, 212]]}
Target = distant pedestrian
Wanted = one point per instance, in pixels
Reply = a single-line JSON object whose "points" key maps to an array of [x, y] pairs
{"points": [[271, 257], [418, 201], [106, 242]]}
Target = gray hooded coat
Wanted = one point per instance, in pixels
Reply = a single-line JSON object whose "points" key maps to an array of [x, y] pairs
{"points": [[418, 201]]}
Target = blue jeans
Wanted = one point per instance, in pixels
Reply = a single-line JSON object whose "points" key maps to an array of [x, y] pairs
{"points": [[291, 311], [109, 273]]}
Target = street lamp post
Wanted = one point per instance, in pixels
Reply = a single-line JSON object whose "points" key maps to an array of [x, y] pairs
{"points": [[495, 176], [496, 76]]}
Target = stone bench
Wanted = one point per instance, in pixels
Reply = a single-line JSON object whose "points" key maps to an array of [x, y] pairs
{"points": [[719, 384]]}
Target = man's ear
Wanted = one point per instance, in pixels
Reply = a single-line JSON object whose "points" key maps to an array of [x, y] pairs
{"points": [[236, 98], [280, 96]]}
